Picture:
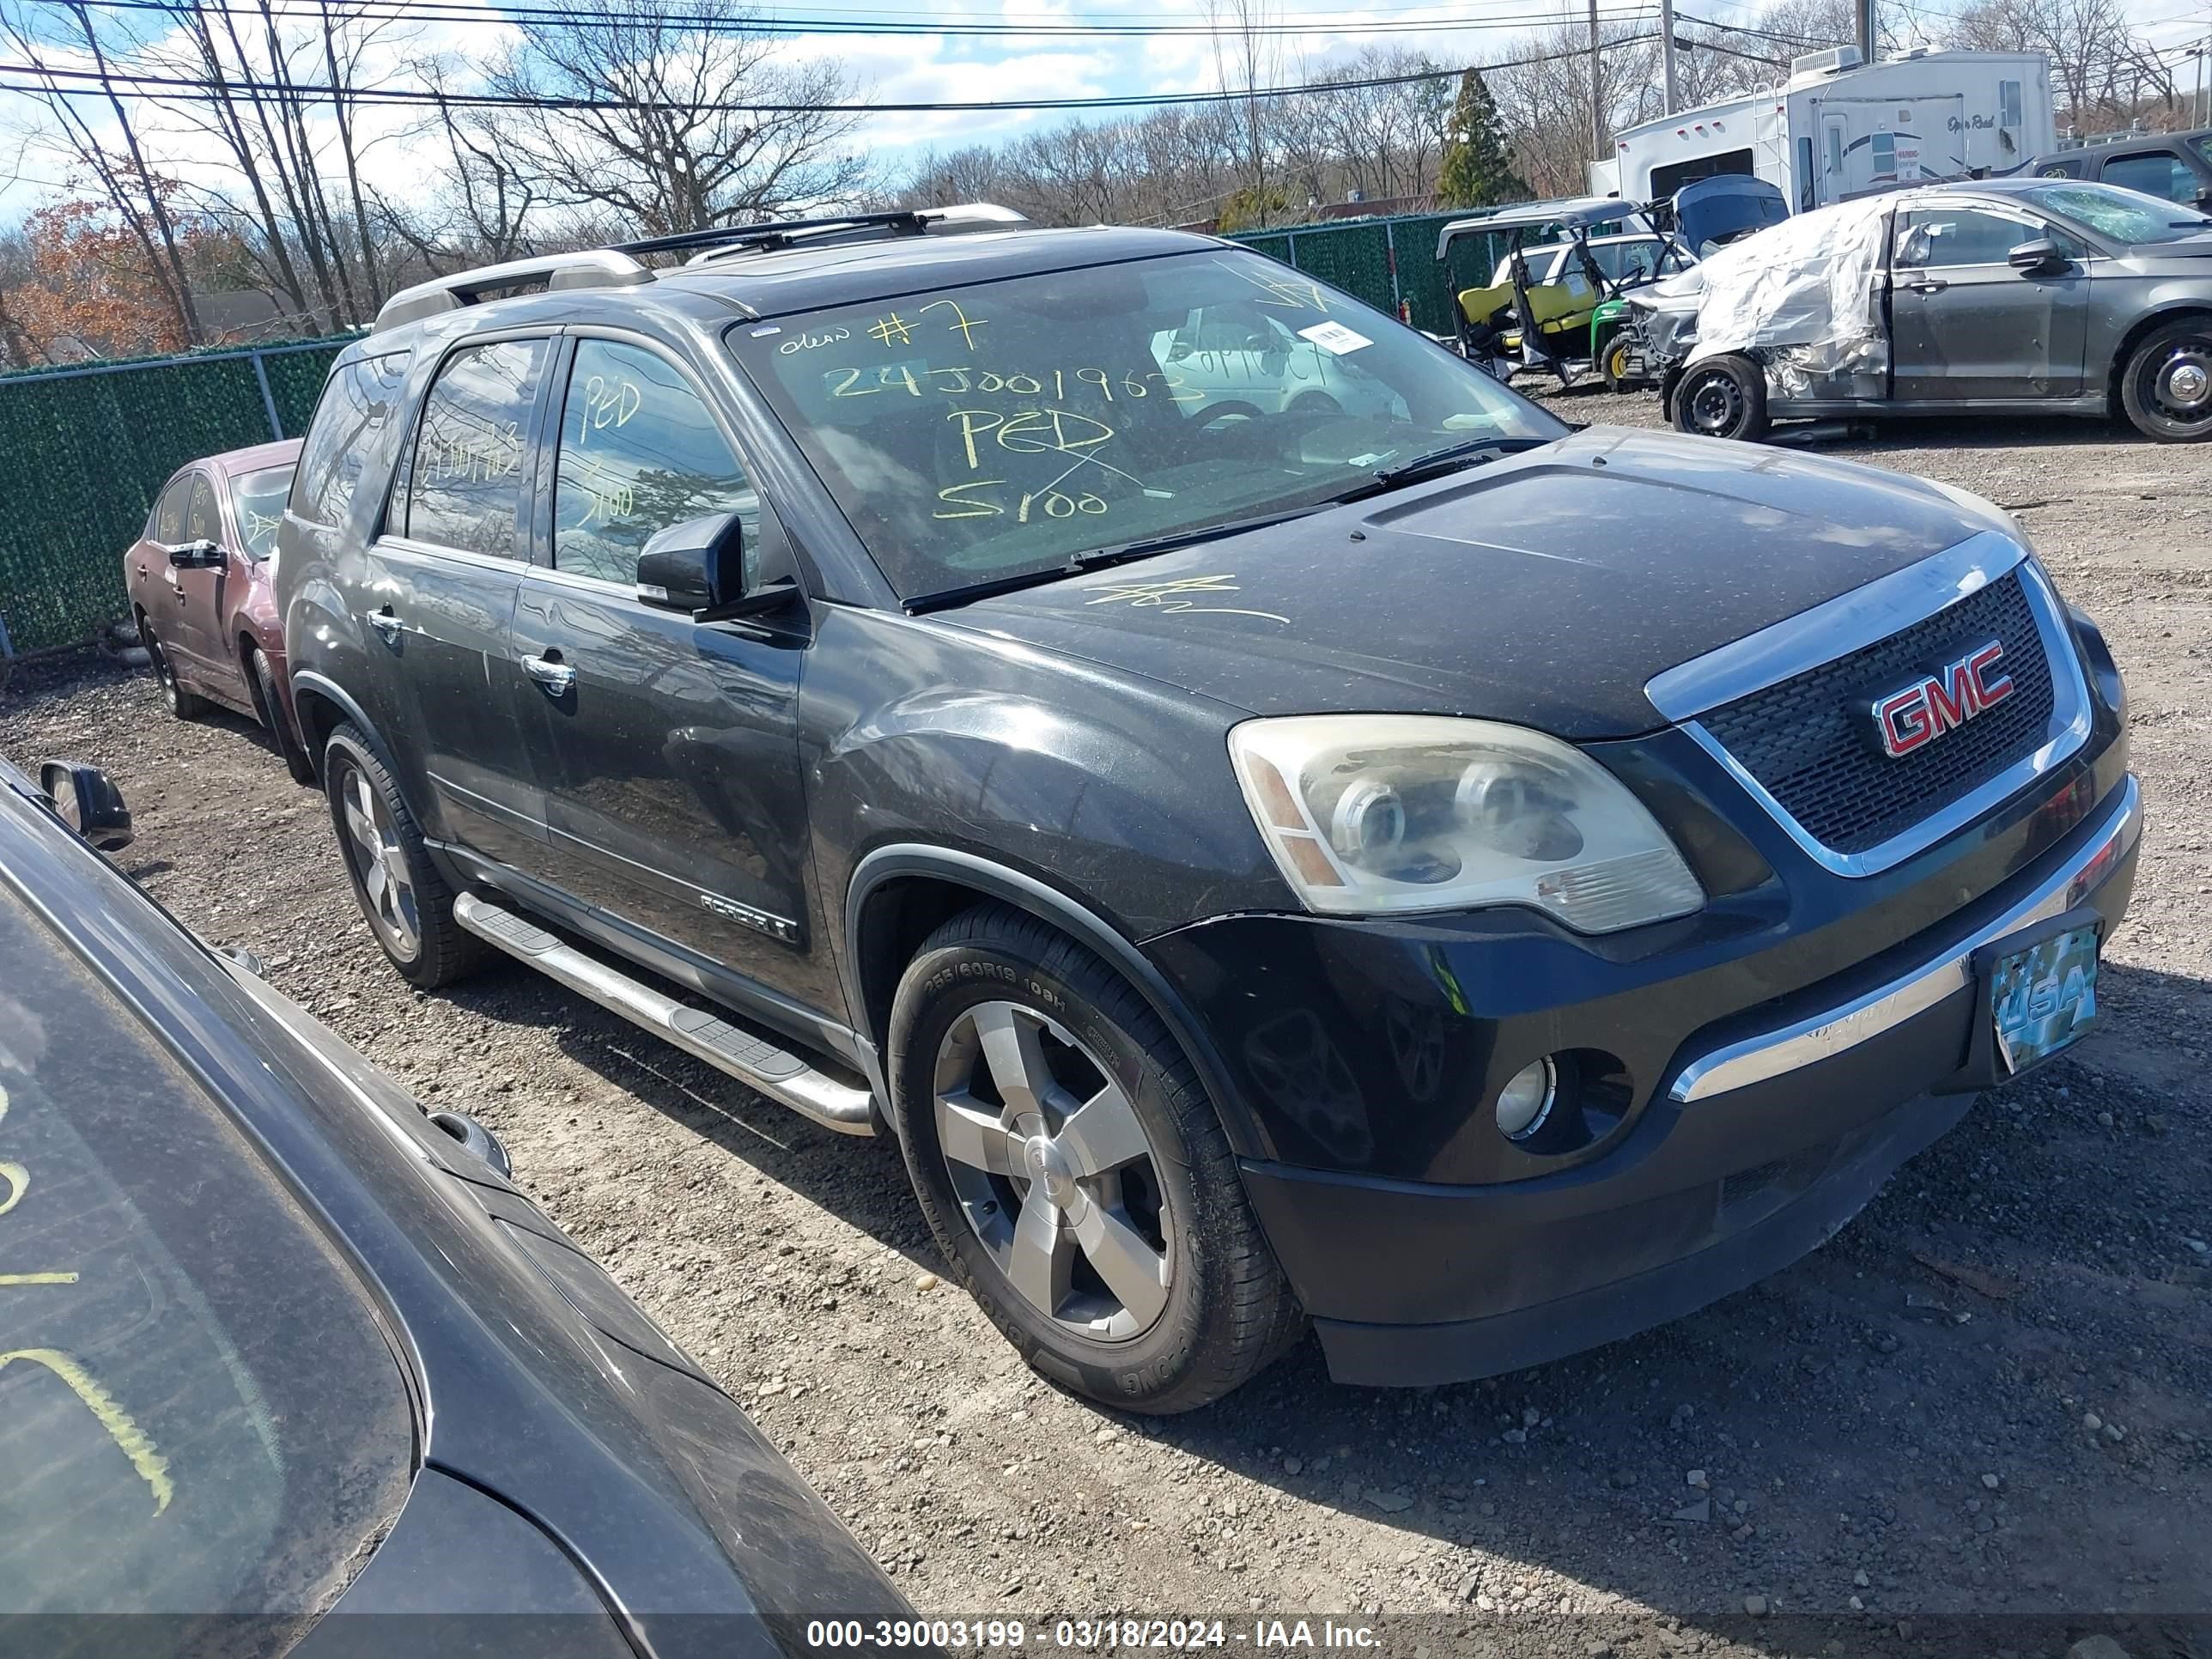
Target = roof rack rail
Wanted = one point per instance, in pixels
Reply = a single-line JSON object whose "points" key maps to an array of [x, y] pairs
{"points": [[855, 227], [594, 268], [619, 266]]}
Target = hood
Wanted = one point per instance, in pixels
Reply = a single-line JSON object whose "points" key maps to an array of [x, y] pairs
{"points": [[1712, 213], [1545, 589]]}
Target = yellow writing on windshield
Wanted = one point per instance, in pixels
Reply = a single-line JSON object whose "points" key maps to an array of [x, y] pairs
{"points": [[961, 325], [129, 1439], [17, 1178]]}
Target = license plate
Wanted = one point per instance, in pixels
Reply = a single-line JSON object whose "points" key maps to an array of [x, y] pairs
{"points": [[2045, 997]]}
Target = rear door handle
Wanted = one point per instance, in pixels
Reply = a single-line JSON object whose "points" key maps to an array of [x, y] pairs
{"points": [[549, 672], [1929, 285], [384, 622]]}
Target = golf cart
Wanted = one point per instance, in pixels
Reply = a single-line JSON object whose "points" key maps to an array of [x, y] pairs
{"points": [[1696, 220], [1523, 321]]}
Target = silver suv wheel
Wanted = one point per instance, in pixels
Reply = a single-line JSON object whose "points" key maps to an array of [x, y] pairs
{"points": [[1054, 1172], [371, 847]]}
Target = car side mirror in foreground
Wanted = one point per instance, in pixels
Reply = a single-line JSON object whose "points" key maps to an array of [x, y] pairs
{"points": [[2038, 259], [86, 800], [697, 567], [196, 556]]}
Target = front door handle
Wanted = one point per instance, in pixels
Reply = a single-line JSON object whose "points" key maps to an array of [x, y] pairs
{"points": [[549, 672], [384, 622], [1929, 285]]}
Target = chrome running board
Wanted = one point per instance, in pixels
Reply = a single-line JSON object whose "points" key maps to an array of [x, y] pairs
{"points": [[758, 1064]]}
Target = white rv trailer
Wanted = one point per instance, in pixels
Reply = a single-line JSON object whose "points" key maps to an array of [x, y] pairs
{"points": [[1839, 126]]}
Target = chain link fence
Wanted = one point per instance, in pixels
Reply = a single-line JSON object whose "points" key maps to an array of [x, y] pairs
{"points": [[1390, 262], [85, 449]]}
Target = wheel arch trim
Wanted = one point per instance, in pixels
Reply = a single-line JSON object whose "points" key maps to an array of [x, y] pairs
{"points": [[990, 881], [2173, 309]]}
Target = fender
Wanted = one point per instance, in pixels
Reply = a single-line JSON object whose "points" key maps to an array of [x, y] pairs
{"points": [[1048, 904], [321, 685]]}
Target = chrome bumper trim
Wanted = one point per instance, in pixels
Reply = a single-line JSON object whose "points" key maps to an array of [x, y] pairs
{"points": [[1754, 1060]]}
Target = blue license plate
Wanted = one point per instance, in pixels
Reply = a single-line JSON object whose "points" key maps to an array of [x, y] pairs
{"points": [[2045, 997]]}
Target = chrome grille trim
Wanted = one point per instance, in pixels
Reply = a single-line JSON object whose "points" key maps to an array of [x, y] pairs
{"points": [[1864, 616]]}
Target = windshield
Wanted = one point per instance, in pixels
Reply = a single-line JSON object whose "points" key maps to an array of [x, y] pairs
{"points": [[2124, 215], [199, 1414], [981, 432], [258, 500]]}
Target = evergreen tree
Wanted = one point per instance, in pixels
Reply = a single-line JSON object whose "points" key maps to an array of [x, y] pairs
{"points": [[1477, 169]]}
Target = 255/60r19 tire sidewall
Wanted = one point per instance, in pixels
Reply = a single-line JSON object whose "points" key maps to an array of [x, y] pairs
{"points": [[1229, 1311]]}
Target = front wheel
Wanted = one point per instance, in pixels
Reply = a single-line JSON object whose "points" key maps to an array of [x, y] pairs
{"points": [[1723, 398], [2167, 388], [1074, 1170], [1617, 360]]}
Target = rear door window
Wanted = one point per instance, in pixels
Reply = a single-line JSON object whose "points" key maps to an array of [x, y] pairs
{"points": [[465, 485], [2159, 172], [639, 452], [169, 514], [199, 1410]]}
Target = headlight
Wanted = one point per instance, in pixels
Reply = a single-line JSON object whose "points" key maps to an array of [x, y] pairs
{"points": [[1381, 814]]}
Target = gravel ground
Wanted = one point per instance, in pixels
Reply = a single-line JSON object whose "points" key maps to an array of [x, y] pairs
{"points": [[1987, 1397]]}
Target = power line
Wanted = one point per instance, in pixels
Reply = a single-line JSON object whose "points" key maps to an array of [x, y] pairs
{"points": [[194, 89], [481, 12]]}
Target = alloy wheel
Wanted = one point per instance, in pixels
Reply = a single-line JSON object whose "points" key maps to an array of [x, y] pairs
{"points": [[379, 865], [1054, 1172]]}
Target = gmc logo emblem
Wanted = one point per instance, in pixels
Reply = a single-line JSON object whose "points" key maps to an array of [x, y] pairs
{"points": [[1915, 715]]}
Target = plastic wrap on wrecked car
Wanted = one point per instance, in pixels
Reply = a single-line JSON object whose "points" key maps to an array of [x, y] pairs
{"points": [[1804, 299]]}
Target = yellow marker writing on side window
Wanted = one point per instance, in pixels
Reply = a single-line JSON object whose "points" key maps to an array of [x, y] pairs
{"points": [[129, 1439]]}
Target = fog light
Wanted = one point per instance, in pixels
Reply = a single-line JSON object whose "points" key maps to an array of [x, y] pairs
{"points": [[1526, 1100]]}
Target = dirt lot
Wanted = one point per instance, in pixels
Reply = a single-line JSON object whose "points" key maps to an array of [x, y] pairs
{"points": [[1987, 1397]]}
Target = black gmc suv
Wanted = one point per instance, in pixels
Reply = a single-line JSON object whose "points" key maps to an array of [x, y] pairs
{"points": [[1276, 825]]}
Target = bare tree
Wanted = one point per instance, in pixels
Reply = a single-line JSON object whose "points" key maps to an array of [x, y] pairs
{"points": [[127, 182], [679, 115], [2102, 70]]}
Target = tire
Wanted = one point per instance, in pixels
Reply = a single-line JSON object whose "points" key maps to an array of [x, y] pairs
{"points": [[296, 760], [185, 705], [1613, 359], [1152, 1190], [408, 905], [1722, 397], [2166, 387]]}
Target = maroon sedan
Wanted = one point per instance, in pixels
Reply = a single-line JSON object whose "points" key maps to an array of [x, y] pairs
{"points": [[198, 581]]}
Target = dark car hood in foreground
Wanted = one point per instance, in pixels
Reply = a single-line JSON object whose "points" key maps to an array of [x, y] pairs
{"points": [[1544, 589]]}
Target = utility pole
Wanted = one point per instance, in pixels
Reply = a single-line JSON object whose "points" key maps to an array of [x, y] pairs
{"points": [[1599, 135], [1666, 52], [1865, 8]]}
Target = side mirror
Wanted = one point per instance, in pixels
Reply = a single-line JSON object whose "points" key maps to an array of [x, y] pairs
{"points": [[2038, 259], [697, 567], [86, 801], [196, 556]]}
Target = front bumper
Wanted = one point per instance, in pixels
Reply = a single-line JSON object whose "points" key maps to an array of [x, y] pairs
{"points": [[1756, 1147]]}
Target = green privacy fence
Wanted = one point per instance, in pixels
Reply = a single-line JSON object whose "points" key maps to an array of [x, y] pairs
{"points": [[84, 450], [1385, 262]]}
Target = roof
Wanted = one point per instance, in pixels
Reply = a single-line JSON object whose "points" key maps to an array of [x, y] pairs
{"points": [[1569, 211], [253, 458]]}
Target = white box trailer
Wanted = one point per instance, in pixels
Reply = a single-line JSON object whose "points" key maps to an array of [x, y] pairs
{"points": [[1840, 126]]}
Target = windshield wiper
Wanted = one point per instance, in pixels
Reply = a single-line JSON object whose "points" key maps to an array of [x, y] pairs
{"points": [[1121, 553], [1437, 462]]}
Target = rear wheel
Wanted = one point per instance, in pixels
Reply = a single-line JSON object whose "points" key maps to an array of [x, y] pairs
{"points": [[183, 704], [272, 716], [408, 905], [1723, 398], [1074, 1172], [2167, 388], [1616, 360]]}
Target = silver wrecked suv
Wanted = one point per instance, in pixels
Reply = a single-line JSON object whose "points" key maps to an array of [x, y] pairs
{"points": [[1203, 837]]}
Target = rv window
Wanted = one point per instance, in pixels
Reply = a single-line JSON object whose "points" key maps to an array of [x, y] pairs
{"points": [[2008, 103], [1835, 150], [1804, 175], [1883, 146]]}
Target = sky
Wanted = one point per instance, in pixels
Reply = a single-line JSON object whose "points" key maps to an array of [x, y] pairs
{"points": [[941, 67]]}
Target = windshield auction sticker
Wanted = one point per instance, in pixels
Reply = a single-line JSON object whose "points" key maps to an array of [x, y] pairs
{"points": [[1334, 337]]}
